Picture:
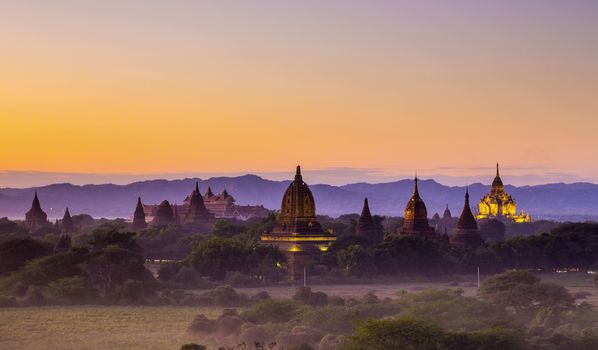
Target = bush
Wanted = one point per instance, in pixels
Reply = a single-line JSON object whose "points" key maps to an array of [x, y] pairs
{"points": [[132, 291], [237, 279], [271, 310], [226, 296], [193, 346], [8, 301], [332, 319], [76, 289], [304, 295]]}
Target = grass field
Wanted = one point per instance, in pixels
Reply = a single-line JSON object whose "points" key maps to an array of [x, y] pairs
{"points": [[163, 327], [97, 327]]}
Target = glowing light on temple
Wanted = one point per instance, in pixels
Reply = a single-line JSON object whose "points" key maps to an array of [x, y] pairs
{"points": [[498, 204]]}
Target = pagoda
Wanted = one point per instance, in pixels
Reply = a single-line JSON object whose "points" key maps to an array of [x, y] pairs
{"points": [[416, 216], [197, 216], [139, 216], [366, 227], [497, 204], [67, 222], [297, 232], [467, 235], [164, 215], [36, 218]]}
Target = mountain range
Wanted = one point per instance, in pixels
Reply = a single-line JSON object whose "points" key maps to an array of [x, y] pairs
{"points": [[559, 201]]}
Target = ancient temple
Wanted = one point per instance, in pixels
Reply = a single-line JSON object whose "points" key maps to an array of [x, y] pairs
{"points": [[445, 224], [197, 216], [366, 227], [67, 224], [467, 235], [416, 216], [500, 205], [36, 218], [164, 215], [297, 231], [139, 216]]}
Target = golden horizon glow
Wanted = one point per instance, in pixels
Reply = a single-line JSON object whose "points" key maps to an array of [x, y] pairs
{"points": [[183, 87]]}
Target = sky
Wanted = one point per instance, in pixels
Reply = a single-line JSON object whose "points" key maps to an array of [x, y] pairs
{"points": [[114, 91]]}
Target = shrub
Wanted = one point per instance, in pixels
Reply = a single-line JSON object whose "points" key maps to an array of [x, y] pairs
{"points": [[226, 296], [271, 310], [404, 334], [132, 290], [332, 319], [193, 346], [72, 289], [8, 301]]}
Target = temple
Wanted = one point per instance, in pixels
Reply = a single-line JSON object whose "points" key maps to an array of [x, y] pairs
{"points": [[164, 215], [67, 224], [197, 216], [497, 204], [467, 235], [221, 206], [366, 227], [416, 216], [297, 231], [36, 218], [139, 216]]}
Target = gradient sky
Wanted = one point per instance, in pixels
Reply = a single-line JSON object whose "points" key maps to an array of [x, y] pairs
{"points": [[197, 87]]}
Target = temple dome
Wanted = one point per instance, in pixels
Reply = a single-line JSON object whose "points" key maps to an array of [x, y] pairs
{"points": [[164, 214], [298, 200], [416, 214], [298, 209]]}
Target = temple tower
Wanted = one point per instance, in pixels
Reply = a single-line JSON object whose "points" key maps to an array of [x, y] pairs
{"points": [[164, 215], [67, 222], [197, 216], [36, 218], [366, 227], [416, 216], [139, 216], [467, 235], [297, 231]]}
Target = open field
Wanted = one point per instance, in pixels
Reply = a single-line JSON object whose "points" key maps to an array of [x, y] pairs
{"points": [[97, 327], [163, 327]]}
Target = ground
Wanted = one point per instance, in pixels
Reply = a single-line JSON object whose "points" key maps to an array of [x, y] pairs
{"points": [[163, 327]]}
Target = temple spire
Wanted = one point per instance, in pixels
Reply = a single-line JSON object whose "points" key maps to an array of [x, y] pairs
{"points": [[197, 186], [415, 189], [497, 174], [298, 176]]}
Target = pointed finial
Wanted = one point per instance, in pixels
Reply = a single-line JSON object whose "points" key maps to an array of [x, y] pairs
{"points": [[298, 174], [365, 202], [415, 189], [497, 175]]}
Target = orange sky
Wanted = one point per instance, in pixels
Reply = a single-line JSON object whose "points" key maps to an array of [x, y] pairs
{"points": [[149, 87]]}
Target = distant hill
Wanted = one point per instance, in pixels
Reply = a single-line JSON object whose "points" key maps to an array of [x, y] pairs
{"points": [[577, 201]]}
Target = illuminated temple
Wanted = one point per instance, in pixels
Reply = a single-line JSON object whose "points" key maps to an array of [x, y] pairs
{"points": [[298, 233], [497, 204]]}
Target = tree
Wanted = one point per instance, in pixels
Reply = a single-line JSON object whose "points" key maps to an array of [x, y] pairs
{"points": [[126, 240], [493, 230], [523, 293], [16, 252], [404, 334], [356, 260], [216, 255], [112, 266]]}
